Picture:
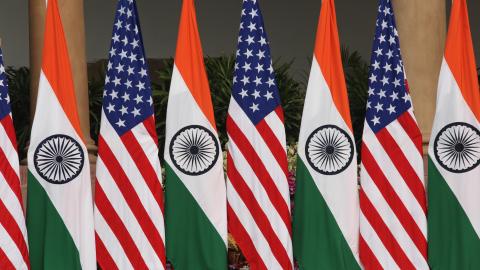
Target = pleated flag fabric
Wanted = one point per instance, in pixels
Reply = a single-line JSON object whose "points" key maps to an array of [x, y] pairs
{"points": [[454, 154], [393, 223], [129, 224], [195, 196], [59, 204], [326, 216], [13, 232]]}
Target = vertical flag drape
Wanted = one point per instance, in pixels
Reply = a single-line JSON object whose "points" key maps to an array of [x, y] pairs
{"points": [[393, 225], [326, 216], [195, 196], [454, 154], [257, 188], [13, 232], [129, 222], [59, 199]]}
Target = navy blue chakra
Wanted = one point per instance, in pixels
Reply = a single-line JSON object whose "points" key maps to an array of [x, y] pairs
{"points": [[59, 159]]}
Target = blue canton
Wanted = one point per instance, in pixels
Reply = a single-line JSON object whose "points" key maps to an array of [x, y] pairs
{"points": [[254, 86], [127, 99], [388, 96], [4, 97]]}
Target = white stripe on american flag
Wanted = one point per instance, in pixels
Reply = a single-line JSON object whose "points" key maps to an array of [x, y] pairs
{"points": [[11, 249], [126, 216], [136, 179], [259, 192], [376, 245], [119, 202], [265, 153], [393, 223], [278, 127], [107, 236], [260, 243], [396, 180]]}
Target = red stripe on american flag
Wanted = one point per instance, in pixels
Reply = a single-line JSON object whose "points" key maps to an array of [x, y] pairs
{"points": [[274, 145], [384, 233], [149, 125], [393, 200], [411, 128], [403, 166], [7, 124], [261, 172], [10, 175], [118, 228], [279, 112], [131, 197], [368, 259], [144, 166], [11, 226], [243, 239], [5, 263], [103, 256], [258, 214]]}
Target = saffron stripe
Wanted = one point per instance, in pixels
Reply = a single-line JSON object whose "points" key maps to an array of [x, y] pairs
{"points": [[262, 174], [131, 197], [118, 228], [258, 214], [384, 233]]}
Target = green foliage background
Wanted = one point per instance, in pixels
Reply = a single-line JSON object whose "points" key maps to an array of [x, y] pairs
{"points": [[220, 74]]}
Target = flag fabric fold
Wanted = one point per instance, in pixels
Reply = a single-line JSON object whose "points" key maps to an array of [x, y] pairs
{"points": [[129, 224], [326, 216], [257, 168], [393, 225], [195, 197], [454, 154], [59, 199], [13, 232]]}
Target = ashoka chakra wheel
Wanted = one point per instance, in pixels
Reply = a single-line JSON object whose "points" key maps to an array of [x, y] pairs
{"points": [[194, 150], [457, 147], [329, 150], [59, 159]]}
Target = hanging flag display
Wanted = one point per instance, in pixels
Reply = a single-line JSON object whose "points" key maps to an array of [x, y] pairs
{"points": [[393, 225], [326, 216], [257, 187], [13, 232], [195, 198], [59, 204], [129, 222], [454, 154]]}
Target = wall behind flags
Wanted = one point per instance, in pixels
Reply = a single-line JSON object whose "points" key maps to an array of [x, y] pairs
{"points": [[290, 26]]}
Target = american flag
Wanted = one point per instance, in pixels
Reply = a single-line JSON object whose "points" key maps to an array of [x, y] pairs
{"points": [[392, 196], [129, 222], [13, 233], [257, 187]]}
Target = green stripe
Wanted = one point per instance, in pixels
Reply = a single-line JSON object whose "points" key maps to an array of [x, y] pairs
{"points": [[452, 241], [318, 242], [50, 244], [192, 242]]}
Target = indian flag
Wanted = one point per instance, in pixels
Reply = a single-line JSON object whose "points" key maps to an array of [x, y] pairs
{"points": [[326, 214], [195, 196], [454, 154], [59, 204]]}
